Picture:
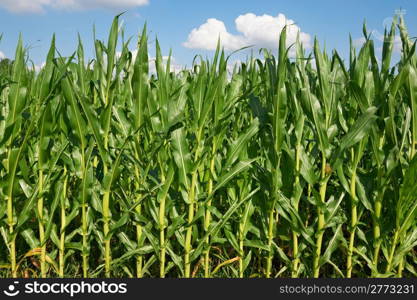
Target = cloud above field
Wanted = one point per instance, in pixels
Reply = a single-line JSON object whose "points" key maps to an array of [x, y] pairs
{"points": [[2, 55], [39, 6], [259, 31]]}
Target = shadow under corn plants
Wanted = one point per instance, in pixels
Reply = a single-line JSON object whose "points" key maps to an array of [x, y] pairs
{"points": [[301, 167]]}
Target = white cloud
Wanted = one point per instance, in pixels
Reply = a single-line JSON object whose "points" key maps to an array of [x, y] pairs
{"points": [[207, 35], [259, 31], [24, 5], [39, 6], [2, 55]]}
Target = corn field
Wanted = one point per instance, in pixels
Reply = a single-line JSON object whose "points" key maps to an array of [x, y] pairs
{"points": [[294, 164]]}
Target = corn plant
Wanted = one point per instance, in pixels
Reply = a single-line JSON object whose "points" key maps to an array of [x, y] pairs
{"points": [[293, 164]]}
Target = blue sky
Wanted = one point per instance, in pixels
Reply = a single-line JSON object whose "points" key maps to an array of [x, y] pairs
{"points": [[238, 23]]}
